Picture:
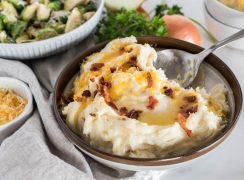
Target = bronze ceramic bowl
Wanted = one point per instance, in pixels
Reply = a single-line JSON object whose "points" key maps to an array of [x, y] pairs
{"points": [[215, 70]]}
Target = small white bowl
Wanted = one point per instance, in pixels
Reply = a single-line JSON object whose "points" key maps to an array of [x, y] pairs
{"points": [[221, 31], [225, 14], [23, 90], [44, 48]]}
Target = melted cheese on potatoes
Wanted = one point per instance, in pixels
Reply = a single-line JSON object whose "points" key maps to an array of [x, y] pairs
{"points": [[127, 107]]}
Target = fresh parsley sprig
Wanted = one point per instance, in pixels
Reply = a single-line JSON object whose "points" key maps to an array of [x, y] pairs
{"points": [[129, 22], [164, 9]]}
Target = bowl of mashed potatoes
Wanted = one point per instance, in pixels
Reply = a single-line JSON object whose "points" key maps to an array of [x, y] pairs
{"points": [[116, 107]]}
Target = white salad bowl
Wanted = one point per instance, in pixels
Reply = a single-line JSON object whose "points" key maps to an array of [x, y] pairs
{"points": [[225, 14], [221, 31], [44, 48], [23, 90]]}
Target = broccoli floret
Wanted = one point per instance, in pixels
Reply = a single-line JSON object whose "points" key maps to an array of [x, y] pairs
{"points": [[8, 7], [91, 6], [46, 33], [7, 17], [55, 5], [1, 25], [59, 27], [16, 28], [61, 16], [18, 4], [4, 38]]}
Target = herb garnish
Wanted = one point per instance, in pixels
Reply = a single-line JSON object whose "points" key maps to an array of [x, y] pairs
{"points": [[129, 22]]}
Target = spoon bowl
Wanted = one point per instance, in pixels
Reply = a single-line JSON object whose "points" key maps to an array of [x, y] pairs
{"points": [[183, 66]]}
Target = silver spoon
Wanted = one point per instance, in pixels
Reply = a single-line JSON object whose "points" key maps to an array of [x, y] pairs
{"points": [[183, 66]]}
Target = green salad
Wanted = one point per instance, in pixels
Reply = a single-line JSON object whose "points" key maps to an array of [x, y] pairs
{"points": [[32, 20]]}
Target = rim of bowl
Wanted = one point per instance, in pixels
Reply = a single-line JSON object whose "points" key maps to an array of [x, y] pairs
{"points": [[153, 40], [29, 107], [207, 11], [100, 6], [228, 8]]}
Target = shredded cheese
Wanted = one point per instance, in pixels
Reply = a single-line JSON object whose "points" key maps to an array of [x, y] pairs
{"points": [[11, 105]]}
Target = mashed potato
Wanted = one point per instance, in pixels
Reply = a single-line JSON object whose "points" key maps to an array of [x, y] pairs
{"points": [[123, 105]]}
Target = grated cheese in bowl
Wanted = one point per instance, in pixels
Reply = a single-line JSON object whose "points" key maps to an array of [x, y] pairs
{"points": [[11, 105]]}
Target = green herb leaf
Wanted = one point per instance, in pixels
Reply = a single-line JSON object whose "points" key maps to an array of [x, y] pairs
{"points": [[129, 22], [164, 9]]}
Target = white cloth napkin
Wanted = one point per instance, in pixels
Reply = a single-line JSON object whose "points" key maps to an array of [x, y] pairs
{"points": [[39, 150]]}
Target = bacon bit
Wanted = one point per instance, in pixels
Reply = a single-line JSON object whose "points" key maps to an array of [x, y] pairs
{"points": [[91, 114], [134, 114], [113, 69], [186, 111], [122, 49], [106, 95], [108, 85], [182, 122], [149, 80], [191, 99], [96, 66], [79, 99], [112, 105], [36, 25], [133, 61], [95, 93], [123, 111], [92, 79], [169, 92], [102, 81], [165, 87], [67, 99], [152, 102], [86, 93]]}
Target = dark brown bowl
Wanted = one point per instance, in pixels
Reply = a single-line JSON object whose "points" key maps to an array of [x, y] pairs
{"points": [[117, 161]]}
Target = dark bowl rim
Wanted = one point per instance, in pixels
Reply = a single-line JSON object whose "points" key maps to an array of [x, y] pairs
{"points": [[77, 141]]}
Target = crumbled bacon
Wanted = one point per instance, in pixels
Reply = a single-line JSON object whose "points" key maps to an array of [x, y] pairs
{"points": [[95, 93], [113, 69], [108, 85], [186, 110], [86, 93], [91, 114], [134, 114], [169, 92], [133, 61], [106, 94], [36, 25], [96, 66], [67, 99], [112, 105], [149, 80], [123, 111], [92, 79], [102, 81], [182, 122], [152, 102], [190, 99]]}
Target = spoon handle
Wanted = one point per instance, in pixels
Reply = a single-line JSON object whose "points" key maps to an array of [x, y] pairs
{"points": [[220, 44]]}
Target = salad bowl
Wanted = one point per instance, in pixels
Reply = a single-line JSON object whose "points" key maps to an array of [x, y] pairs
{"points": [[47, 47]]}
